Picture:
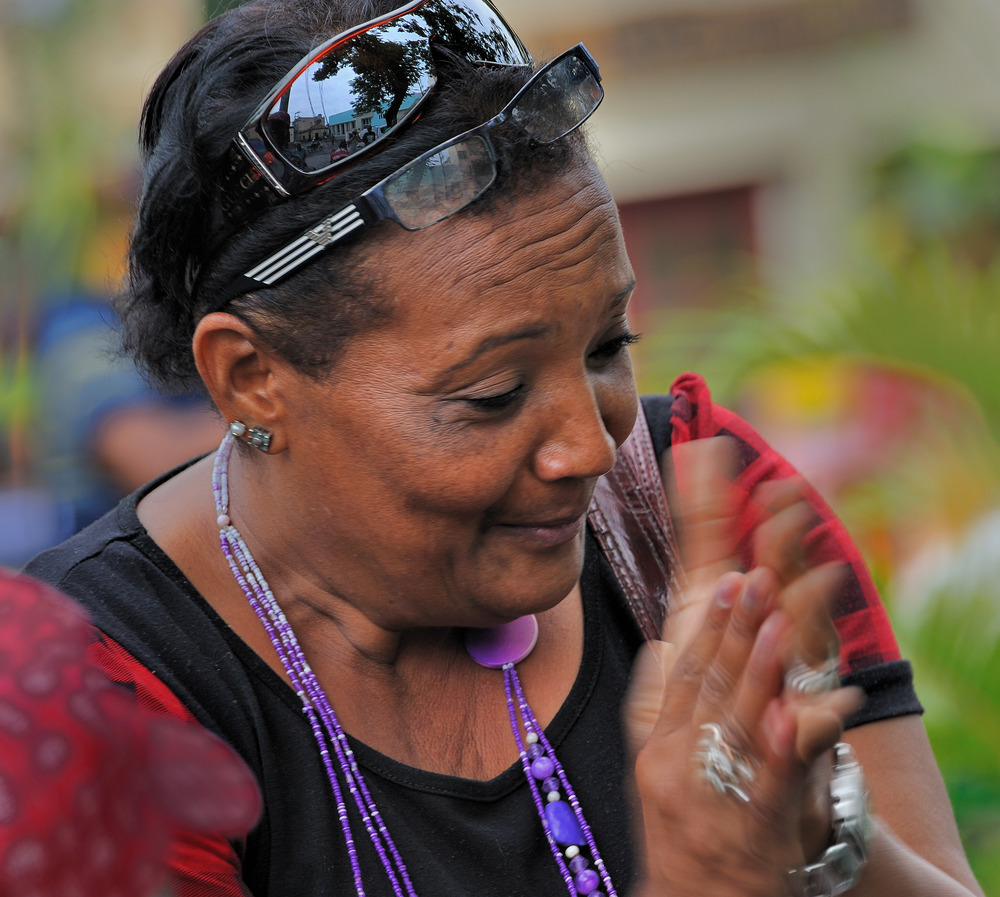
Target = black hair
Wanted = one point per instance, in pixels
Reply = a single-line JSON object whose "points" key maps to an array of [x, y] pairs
{"points": [[201, 99]]}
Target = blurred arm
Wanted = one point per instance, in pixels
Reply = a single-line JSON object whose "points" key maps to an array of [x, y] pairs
{"points": [[916, 848]]}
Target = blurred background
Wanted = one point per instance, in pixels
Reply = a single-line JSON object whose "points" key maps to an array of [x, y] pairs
{"points": [[810, 192]]}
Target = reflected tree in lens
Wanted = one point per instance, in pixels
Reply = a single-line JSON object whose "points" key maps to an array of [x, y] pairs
{"points": [[466, 33], [388, 70], [386, 73]]}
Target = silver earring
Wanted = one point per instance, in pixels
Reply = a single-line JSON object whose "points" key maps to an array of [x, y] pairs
{"points": [[258, 437]]}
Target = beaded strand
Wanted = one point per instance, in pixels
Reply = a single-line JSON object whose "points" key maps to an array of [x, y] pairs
{"points": [[541, 765], [315, 704], [568, 836]]}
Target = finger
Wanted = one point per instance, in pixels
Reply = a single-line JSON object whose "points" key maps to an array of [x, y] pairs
{"points": [[814, 827], [808, 601], [698, 477], [781, 778], [805, 727], [820, 722], [783, 772], [761, 686], [686, 620], [723, 676], [776, 495], [685, 678], [644, 697], [780, 540]]}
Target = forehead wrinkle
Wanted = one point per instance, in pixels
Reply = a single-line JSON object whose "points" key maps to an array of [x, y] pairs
{"points": [[553, 230], [541, 240]]}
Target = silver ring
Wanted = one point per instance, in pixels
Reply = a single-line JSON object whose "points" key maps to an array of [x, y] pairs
{"points": [[806, 680], [726, 769]]}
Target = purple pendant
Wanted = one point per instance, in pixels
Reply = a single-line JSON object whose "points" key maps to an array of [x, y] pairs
{"points": [[564, 824], [498, 645]]}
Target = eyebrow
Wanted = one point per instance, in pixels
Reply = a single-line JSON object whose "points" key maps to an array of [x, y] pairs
{"points": [[495, 342], [537, 331], [623, 297]]}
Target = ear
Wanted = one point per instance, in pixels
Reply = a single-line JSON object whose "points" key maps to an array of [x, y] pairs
{"points": [[243, 377]]}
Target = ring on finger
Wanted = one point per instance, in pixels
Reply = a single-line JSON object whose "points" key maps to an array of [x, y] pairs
{"points": [[726, 769], [806, 680]]}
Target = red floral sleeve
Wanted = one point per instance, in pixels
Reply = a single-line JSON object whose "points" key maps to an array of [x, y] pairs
{"points": [[200, 865]]}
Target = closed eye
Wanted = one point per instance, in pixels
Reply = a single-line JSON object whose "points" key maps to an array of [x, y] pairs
{"points": [[499, 402], [612, 347]]}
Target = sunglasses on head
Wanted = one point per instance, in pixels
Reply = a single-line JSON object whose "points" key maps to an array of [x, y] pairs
{"points": [[371, 81], [557, 99]]}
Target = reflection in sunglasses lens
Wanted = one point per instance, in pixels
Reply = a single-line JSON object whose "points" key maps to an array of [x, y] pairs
{"points": [[438, 185]]}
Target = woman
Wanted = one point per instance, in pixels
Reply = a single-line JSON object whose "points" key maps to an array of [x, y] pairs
{"points": [[382, 590], [340, 152]]}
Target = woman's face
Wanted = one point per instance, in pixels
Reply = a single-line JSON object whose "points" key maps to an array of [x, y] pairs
{"points": [[442, 474]]}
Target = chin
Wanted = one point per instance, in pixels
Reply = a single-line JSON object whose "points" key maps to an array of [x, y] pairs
{"points": [[539, 587]]}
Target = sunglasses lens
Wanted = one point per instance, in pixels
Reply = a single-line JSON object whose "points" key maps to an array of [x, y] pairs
{"points": [[441, 183], [559, 101], [343, 92], [363, 87]]}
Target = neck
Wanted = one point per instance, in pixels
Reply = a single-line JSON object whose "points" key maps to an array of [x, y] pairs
{"points": [[402, 689]]}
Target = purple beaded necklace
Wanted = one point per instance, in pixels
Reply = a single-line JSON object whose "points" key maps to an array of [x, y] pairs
{"points": [[501, 647]]}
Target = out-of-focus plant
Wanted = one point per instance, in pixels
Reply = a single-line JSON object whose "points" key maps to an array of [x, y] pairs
{"points": [[905, 357], [63, 142], [73, 74], [16, 400], [953, 641], [60, 145]]}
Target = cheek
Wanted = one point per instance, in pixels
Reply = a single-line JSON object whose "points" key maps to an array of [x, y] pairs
{"points": [[466, 477], [619, 402], [438, 476]]}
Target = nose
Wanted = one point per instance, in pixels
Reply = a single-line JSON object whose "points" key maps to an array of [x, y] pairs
{"points": [[578, 443]]}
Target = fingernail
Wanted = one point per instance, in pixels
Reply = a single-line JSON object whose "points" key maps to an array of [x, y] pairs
{"points": [[778, 731], [754, 595], [727, 591]]}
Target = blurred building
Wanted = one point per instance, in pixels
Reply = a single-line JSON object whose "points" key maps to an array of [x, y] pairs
{"points": [[736, 134]]}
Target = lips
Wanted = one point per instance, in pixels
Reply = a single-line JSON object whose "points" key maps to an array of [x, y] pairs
{"points": [[548, 532]]}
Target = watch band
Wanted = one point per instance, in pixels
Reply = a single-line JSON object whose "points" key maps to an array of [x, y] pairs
{"points": [[840, 866]]}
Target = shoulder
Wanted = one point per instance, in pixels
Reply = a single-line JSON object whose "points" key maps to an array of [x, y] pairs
{"points": [[695, 415], [685, 412], [89, 560], [870, 652], [112, 561], [689, 413], [149, 616]]}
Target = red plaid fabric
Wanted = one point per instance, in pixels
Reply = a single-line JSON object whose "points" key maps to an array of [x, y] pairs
{"points": [[866, 634]]}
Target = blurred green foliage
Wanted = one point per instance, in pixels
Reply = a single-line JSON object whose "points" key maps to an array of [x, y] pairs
{"points": [[60, 158], [953, 641], [67, 182]]}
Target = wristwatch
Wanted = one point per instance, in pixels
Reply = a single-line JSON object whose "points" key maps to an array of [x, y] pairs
{"points": [[840, 866]]}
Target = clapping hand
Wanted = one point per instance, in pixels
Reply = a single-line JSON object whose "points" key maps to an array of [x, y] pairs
{"points": [[730, 726]]}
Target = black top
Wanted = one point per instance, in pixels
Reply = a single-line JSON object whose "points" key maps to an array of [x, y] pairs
{"points": [[457, 836]]}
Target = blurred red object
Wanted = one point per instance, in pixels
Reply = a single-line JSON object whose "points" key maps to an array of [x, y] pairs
{"points": [[91, 788]]}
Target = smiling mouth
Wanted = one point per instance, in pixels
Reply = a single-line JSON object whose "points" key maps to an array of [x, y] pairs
{"points": [[548, 533]]}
